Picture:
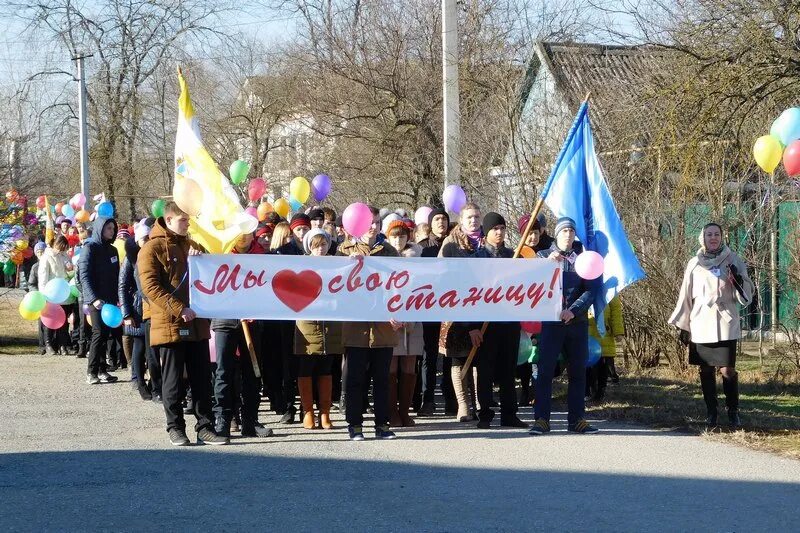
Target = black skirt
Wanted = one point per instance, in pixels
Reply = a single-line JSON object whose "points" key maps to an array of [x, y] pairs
{"points": [[713, 353]]}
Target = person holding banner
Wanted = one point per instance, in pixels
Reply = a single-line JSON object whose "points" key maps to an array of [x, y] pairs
{"points": [[410, 346], [439, 223], [316, 345], [368, 345], [229, 338], [714, 284], [180, 336], [499, 346], [570, 336], [463, 241]]}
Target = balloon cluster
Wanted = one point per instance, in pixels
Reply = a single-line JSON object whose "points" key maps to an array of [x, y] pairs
{"points": [[15, 225], [782, 144]]}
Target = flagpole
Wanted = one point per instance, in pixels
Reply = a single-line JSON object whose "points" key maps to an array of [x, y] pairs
{"points": [[528, 227]]}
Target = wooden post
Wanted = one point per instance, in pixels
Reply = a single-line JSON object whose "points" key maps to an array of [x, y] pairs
{"points": [[517, 251], [251, 348]]}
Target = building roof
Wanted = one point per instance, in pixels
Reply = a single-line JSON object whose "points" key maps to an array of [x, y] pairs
{"points": [[618, 78]]}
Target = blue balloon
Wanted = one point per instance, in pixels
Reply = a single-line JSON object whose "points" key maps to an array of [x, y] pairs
{"points": [[56, 291], [595, 352], [295, 204], [111, 315], [787, 126], [68, 212], [105, 209]]}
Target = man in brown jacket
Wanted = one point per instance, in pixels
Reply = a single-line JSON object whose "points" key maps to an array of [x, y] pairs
{"points": [[180, 337]]}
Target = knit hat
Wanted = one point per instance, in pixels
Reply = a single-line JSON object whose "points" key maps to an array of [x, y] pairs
{"points": [[316, 214], [142, 230], [396, 224], [266, 229], [39, 247], [313, 233], [563, 223], [123, 234], [523, 221], [438, 211], [300, 219], [491, 220]]}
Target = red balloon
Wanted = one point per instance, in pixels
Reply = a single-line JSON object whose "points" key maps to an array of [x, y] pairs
{"points": [[534, 328], [53, 316], [256, 189], [791, 158], [40, 202]]}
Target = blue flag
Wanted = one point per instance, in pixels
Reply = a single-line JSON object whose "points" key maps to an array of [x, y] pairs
{"points": [[577, 189]]}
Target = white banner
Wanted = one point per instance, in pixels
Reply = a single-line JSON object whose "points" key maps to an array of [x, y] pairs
{"points": [[281, 287]]}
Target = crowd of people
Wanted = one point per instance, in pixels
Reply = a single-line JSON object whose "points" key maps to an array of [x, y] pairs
{"points": [[310, 368]]}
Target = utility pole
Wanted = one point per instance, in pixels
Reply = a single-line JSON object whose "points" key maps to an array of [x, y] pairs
{"points": [[452, 114], [84, 134]]}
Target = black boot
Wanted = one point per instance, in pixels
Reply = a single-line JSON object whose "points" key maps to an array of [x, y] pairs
{"points": [[222, 427], [731, 388], [708, 383]]}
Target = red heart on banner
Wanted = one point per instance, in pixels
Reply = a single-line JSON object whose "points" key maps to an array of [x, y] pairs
{"points": [[297, 290]]}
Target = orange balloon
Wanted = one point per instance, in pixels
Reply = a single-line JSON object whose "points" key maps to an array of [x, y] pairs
{"points": [[188, 194], [59, 206], [527, 252], [264, 209], [282, 207], [82, 216]]}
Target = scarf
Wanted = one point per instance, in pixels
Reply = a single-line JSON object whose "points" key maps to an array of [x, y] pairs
{"points": [[474, 237], [709, 260]]}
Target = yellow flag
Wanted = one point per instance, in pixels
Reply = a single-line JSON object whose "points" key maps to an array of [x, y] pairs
{"points": [[219, 218]]}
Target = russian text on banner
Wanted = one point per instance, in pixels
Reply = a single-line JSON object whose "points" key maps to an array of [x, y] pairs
{"points": [[374, 288]]}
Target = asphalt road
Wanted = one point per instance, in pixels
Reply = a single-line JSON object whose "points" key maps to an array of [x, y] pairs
{"points": [[80, 457]]}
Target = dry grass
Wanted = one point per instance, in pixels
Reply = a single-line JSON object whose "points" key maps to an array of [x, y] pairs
{"points": [[770, 410], [17, 336]]}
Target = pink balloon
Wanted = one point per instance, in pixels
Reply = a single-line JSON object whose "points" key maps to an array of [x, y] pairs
{"points": [[53, 316], [422, 214], [589, 265], [256, 189], [78, 201], [356, 219], [252, 211], [532, 328]]}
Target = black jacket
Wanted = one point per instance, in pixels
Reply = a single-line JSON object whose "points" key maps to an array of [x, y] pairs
{"points": [[99, 266], [130, 297], [291, 248], [431, 245], [578, 293]]}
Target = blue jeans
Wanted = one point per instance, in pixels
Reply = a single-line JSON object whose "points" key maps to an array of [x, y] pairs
{"points": [[573, 341]]}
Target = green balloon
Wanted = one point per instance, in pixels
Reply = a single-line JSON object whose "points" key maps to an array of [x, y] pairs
{"points": [[157, 208], [34, 301], [239, 171], [10, 269], [73, 290]]}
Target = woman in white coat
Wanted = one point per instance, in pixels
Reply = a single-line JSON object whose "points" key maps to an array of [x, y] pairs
{"points": [[715, 283]]}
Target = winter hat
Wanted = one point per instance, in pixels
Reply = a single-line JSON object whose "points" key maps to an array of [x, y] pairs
{"points": [[396, 224], [313, 233], [39, 247], [123, 234], [523, 221], [298, 220], [563, 223], [391, 217], [438, 211], [316, 214], [491, 220], [402, 212], [542, 220], [266, 229], [142, 230]]}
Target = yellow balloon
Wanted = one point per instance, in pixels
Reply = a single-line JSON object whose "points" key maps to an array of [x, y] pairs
{"points": [[21, 244], [768, 151], [281, 207], [188, 195], [299, 189], [28, 315]]}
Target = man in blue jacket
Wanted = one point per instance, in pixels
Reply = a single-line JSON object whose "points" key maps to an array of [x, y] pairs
{"points": [[569, 336], [99, 276]]}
